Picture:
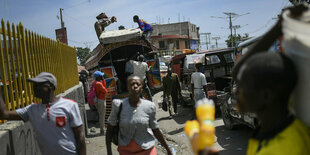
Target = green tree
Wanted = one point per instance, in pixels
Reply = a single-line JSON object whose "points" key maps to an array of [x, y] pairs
{"points": [[236, 39], [83, 54]]}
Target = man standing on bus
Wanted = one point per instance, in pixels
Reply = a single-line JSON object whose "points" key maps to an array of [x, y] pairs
{"points": [[145, 27]]}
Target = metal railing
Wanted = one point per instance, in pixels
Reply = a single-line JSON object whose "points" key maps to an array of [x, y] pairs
{"points": [[24, 54]]}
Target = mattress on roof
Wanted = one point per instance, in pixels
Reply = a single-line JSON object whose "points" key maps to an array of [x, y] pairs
{"points": [[114, 36]]}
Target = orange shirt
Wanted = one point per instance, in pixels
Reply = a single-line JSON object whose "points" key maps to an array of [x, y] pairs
{"points": [[100, 89]]}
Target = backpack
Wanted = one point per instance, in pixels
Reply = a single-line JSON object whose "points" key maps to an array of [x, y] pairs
{"points": [[91, 95]]}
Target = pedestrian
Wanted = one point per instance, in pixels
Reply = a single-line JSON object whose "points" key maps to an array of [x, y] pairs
{"points": [[139, 68], [171, 90], [103, 21], [265, 83], [136, 116], [145, 27], [198, 83], [100, 99], [56, 121]]}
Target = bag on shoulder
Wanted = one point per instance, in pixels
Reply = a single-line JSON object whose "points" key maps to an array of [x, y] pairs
{"points": [[116, 128], [91, 95], [165, 105]]}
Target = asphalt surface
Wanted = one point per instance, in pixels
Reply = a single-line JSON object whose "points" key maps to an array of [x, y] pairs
{"points": [[228, 142]]}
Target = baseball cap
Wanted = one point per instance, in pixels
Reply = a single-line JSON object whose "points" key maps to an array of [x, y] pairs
{"points": [[44, 77], [98, 73]]}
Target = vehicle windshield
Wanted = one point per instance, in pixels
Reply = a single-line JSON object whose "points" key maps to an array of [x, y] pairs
{"points": [[213, 59]]}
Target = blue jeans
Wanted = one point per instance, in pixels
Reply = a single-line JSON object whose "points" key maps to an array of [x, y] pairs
{"points": [[147, 35], [199, 94]]}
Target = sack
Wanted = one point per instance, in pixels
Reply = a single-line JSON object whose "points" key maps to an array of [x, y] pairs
{"points": [[91, 95], [116, 128], [164, 105]]}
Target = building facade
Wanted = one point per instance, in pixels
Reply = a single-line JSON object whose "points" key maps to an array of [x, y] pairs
{"points": [[172, 39]]}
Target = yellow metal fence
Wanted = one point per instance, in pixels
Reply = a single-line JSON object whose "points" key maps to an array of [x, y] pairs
{"points": [[24, 54]]}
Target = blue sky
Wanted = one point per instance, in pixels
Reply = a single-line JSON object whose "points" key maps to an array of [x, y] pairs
{"points": [[79, 15]]}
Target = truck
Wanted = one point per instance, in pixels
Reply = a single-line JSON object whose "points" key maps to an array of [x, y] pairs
{"points": [[117, 47], [218, 65]]}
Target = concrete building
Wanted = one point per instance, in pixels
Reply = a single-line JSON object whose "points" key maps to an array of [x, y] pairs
{"points": [[172, 39]]}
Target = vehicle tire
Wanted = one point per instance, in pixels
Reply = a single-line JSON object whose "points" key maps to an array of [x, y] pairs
{"points": [[228, 121]]}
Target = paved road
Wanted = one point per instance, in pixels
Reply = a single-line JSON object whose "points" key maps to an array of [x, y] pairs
{"points": [[228, 142]]}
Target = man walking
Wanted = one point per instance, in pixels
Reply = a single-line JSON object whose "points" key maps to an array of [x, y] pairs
{"points": [[198, 83], [172, 89], [100, 101], [56, 121]]}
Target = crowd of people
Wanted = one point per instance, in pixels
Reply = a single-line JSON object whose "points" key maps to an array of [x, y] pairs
{"points": [[264, 80]]}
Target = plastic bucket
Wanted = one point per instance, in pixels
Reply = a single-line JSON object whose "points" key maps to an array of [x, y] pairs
{"points": [[296, 45]]}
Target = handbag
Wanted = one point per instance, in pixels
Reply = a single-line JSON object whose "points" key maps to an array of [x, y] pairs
{"points": [[164, 105], [116, 128]]}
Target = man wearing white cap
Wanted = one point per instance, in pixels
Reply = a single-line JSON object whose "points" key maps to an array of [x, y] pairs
{"points": [[56, 121]]}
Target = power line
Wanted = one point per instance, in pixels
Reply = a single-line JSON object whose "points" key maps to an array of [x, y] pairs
{"points": [[78, 4], [231, 16], [86, 43], [264, 26], [76, 20], [81, 42]]}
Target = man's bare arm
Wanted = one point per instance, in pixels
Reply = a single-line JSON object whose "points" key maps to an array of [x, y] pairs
{"points": [[80, 140], [5, 114]]}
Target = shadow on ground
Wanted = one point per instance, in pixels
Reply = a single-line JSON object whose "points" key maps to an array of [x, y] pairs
{"points": [[184, 114], [233, 141]]}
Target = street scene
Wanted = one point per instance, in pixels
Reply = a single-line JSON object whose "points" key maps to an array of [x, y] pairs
{"points": [[159, 77]]}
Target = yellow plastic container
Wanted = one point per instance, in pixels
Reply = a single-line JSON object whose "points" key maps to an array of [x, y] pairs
{"points": [[191, 127], [205, 110], [206, 136]]}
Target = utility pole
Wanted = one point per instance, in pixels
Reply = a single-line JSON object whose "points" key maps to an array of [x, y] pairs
{"points": [[235, 35], [207, 35], [61, 21], [216, 38], [188, 41], [235, 27], [230, 16]]}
